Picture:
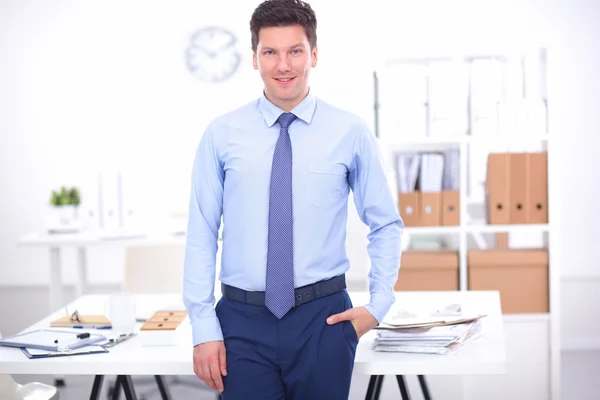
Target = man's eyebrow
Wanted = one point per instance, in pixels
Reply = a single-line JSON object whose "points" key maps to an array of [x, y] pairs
{"points": [[292, 47]]}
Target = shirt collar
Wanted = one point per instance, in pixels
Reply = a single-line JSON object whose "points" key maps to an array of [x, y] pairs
{"points": [[304, 110]]}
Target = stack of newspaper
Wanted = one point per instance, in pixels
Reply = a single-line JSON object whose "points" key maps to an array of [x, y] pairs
{"points": [[427, 335]]}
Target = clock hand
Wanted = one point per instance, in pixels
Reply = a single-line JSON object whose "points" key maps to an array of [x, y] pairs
{"points": [[230, 42], [205, 51]]}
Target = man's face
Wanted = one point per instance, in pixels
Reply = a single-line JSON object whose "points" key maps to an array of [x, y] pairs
{"points": [[284, 59]]}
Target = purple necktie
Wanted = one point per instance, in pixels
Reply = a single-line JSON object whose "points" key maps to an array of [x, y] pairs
{"points": [[279, 290]]}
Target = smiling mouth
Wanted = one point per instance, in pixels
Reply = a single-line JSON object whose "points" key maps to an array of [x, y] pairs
{"points": [[285, 80]]}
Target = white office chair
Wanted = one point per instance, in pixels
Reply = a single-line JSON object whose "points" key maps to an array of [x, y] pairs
{"points": [[154, 269], [151, 269], [11, 390]]}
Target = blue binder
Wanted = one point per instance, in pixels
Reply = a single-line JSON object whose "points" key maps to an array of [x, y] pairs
{"points": [[52, 340]]}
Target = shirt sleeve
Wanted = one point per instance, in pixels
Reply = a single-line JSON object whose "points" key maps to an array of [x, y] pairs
{"points": [[205, 210], [377, 209]]}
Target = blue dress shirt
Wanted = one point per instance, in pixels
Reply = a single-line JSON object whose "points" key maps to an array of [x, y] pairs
{"points": [[333, 152]]}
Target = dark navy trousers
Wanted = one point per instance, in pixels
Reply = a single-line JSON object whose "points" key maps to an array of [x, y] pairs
{"points": [[297, 357]]}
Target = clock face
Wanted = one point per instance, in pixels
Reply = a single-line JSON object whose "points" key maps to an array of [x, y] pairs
{"points": [[212, 54]]}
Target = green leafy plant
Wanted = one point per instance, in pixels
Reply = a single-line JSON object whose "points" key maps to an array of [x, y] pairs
{"points": [[65, 197]]}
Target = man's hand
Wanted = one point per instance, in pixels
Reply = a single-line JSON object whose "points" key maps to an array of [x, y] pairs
{"points": [[362, 320], [210, 364]]}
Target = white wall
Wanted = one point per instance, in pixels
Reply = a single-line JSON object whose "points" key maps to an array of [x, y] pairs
{"points": [[96, 85]]}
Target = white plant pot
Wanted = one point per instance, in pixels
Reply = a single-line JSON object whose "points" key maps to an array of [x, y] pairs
{"points": [[67, 215]]}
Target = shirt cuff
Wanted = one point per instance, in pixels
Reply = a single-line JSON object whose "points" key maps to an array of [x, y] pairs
{"points": [[207, 329], [380, 304]]}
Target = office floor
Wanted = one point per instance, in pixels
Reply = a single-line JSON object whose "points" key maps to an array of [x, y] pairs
{"points": [[79, 387]]}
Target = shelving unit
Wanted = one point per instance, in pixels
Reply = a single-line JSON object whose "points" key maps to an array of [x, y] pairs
{"points": [[477, 228], [472, 228]]}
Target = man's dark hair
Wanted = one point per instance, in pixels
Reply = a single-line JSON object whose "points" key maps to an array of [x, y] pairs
{"points": [[284, 13]]}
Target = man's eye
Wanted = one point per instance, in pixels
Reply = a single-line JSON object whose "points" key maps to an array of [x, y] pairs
{"points": [[268, 52]]}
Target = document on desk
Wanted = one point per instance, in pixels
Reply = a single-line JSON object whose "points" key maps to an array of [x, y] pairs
{"points": [[422, 322], [440, 332], [39, 353], [434, 340], [52, 340]]}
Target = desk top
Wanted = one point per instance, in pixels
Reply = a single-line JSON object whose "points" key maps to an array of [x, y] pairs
{"points": [[484, 356]]}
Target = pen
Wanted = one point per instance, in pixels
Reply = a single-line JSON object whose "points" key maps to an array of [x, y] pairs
{"points": [[92, 327], [119, 339]]}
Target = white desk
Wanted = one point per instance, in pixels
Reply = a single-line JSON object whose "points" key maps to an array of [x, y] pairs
{"points": [[54, 243], [484, 356]]}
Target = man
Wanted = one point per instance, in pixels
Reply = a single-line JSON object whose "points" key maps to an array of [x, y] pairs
{"points": [[279, 171]]}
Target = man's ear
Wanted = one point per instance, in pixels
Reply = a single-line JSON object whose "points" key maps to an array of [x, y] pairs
{"points": [[254, 60], [315, 52]]}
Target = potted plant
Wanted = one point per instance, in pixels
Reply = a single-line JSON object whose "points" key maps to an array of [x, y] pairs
{"points": [[66, 201]]}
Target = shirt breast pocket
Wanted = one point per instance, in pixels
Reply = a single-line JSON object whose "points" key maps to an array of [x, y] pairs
{"points": [[327, 184]]}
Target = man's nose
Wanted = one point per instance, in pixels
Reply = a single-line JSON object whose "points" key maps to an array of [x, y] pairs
{"points": [[284, 63]]}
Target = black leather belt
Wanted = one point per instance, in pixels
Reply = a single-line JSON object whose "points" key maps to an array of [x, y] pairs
{"points": [[304, 294]]}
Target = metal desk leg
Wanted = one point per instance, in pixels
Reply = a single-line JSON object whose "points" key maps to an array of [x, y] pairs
{"points": [[59, 381], [127, 384], [116, 390], [403, 388], [374, 388], [81, 283], [56, 287], [55, 298], [162, 387], [95, 395], [424, 388]]}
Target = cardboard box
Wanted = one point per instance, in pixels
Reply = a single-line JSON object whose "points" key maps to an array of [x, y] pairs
{"points": [[519, 182], [517, 188], [520, 275], [450, 208], [537, 189], [428, 270], [502, 240], [409, 205], [498, 188], [430, 208]]}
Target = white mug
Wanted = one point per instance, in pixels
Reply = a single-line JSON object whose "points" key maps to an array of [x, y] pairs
{"points": [[121, 312]]}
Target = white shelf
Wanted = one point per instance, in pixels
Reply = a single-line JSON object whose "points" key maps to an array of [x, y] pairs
{"points": [[471, 147], [580, 276], [509, 140], [431, 230], [585, 344], [534, 228], [520, 318], [510, 228], [426, 143]]}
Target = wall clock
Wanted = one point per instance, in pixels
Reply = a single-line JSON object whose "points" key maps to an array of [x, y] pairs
{"points": [[212, 54]]}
